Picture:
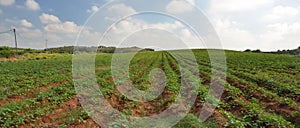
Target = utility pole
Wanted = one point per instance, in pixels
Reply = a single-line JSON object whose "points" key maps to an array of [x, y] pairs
{"points": [[16, 43], [46, 45]]}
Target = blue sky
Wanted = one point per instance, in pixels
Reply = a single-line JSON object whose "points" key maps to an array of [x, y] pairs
{"points": [[240, 24]]}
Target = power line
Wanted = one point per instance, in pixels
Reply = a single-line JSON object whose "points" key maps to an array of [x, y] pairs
{"points": [[15, 37], [22, 37], [8, 31]]}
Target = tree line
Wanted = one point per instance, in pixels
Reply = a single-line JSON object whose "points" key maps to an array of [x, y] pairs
{"points": [[100, 49], [291, 52], [8, 52]]}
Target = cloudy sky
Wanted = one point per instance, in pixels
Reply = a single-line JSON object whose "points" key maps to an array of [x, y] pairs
{"points": [[240, 24]]}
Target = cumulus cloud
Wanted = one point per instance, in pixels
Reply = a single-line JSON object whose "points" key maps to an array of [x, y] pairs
{"points": [[281, 35], [49, 19], [53, 24], [271, 37], [281, 13], [68, 27], [65, 32], [191, 1], [32, 5], [121, 9], [233, 36], [30, 38], [32, 33], [7, 2], [93, 9], [224, 6], [26, 23], [180, 6], [11, 21], [17, 22], [125, 28], [118, 11], [258, 24]]}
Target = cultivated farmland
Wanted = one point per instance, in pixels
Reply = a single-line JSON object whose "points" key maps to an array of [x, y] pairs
{"points": [[261, 90]]}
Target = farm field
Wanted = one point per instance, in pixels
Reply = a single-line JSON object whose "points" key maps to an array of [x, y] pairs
{"points": [[261, 90]]}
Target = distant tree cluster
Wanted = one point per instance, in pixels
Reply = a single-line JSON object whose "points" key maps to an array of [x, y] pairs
{"points": [[103, 49], [100, 49], [256, 51], [65, 49], [8, 52], [292, 52]]}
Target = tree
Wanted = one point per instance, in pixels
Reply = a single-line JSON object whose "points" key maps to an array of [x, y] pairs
{"points": [[4, 48], [247, 50], [257, 51]]}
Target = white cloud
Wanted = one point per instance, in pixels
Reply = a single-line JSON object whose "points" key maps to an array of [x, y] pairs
{"points": [[121, 9], [27, 38], [26, 23], [7, 2], [232, 36], [65, 34], [49, 19], [32, 5], [1, 11], [257, 24], [118, 11], [180, 6], [191, 1], [54, 24], [66, 27], [7, 39], [133, 26], [126, 27], [281, 35], [59, 33], [12, 21], [93, 9], [65, 31], [272, 37], [281, 12], [167, 25], [30, 34], [223, 6]]}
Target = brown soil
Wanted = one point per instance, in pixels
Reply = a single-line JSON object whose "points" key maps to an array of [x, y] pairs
{"points": [[220, 118], [143, 108], [89, 124], [10, 99], [117, 102], [52, 119], [9, 59], [272, 105], [31, 93]]}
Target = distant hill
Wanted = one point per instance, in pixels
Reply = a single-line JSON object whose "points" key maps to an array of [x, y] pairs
{"points": [[100, 49]]}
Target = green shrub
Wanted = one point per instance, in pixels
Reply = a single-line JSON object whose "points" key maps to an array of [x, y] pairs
{"points": [[190, 121], [4, 48], [6, 53]]}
